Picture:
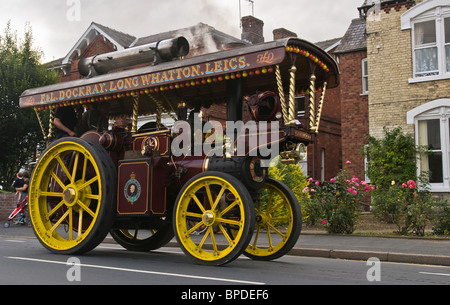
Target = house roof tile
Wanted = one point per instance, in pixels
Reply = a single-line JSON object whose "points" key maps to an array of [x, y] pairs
{"points": [[354, 39]]}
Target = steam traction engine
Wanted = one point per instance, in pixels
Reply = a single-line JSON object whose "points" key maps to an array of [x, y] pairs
{"points": [[129, 181]]}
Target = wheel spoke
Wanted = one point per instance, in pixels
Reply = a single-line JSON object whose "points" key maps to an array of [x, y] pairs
{"points": [[258, 228], [56, 178], [88, 183], [70, 224], [200, 245], [50, 232], [270, 226], [198, 225], [228, 208], [83, 175], [208, 192], [219, 196], [50, 194], [229, 221], [75, 166], [269, 237], [213, 239], [269, 201], [92, 196], [225, 234], [190, 214], [199, 204], [63, 167], [84, 207], [49, 214], [277, 206], [80, 224]]}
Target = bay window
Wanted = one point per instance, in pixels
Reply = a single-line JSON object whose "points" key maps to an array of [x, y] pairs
{"points": [[429, 23], [432, 131]]}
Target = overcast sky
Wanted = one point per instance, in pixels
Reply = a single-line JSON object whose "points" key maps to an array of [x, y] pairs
{"points": [[58, 24]]}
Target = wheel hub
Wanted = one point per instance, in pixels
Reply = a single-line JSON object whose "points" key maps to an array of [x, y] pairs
{"points": [[70, 195], [208, 218], [263, 218]]}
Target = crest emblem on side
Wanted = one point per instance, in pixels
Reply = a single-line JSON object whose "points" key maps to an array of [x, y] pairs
{"points": [[132, 189]]}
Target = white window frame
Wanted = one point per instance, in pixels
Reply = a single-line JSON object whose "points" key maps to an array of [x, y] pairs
{"points": [[437, 109], [436, 10], [365, 76]]}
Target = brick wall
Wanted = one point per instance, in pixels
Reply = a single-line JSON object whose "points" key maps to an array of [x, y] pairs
{"points": [[97, 46], [328, 139], [354, 111], [7, 204], [390, 66]]}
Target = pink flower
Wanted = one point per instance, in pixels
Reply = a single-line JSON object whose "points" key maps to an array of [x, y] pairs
{"points": [[310, 179], [349, 189], [348, 162], [332, 180], [354, 192], [324, 222], [317, 182], [305, 190], [404, 185], [367, 188], [411, 184]]}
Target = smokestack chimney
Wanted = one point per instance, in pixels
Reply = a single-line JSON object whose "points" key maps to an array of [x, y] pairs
{"points": [[252, 30], [282, 33]]}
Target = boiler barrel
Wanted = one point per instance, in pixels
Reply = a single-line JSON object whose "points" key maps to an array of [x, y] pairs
{"points": [[165, 50]]}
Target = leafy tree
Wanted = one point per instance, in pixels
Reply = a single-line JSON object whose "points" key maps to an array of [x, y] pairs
{"points": [[20, 69], [392, 158]]}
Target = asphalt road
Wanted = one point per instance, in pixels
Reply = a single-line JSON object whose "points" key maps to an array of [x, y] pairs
{"points": [[23, 261]]}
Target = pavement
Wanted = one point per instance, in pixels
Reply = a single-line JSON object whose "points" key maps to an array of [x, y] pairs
{"points": [[414, 250]]}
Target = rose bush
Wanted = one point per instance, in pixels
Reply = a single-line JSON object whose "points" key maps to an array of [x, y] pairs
{"points": [[406, 205], [337, 202]]}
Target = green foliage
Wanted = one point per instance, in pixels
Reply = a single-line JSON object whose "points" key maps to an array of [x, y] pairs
{"points": [[407, 206], [392, 161], [20, 69], [337, 202], [291, 175], [442, 218], [392, 158]]}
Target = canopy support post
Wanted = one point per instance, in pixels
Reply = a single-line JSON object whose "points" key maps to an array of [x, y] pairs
{"points": [[281, 94], [320, 108], [40, 123], [134, 119], [51, 127]]}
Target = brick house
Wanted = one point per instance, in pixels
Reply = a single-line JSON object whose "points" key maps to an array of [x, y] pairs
{"points": [[408, 53], [351, 54]]}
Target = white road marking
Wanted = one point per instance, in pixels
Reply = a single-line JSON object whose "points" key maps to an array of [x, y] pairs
{"points": [[434, 273], [15, 240], [139, 271]]}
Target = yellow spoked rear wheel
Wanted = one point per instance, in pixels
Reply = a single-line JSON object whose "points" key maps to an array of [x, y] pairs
{"points": [[278, 222], [72, 196], [208, 207]]}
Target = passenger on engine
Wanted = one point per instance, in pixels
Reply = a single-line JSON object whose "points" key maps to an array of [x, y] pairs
{"points": [[67, 121], [95, 118]]}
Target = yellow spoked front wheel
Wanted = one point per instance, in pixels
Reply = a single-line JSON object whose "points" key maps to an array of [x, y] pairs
{"points": [[208, 207], [72, 196], [278, 222]]}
